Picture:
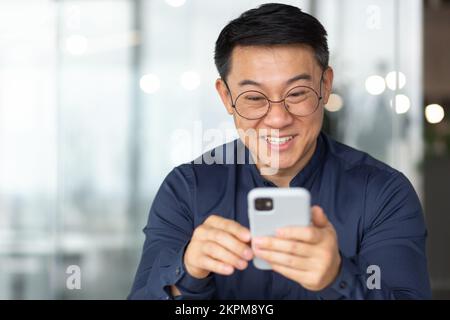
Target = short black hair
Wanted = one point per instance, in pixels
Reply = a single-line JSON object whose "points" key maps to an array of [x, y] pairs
{"points": [[271, 24]]}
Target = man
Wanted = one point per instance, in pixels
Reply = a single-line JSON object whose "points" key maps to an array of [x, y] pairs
{"points": [[367, 235]]}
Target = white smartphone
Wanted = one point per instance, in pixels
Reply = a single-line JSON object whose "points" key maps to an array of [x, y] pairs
{"points": [[272, 208]]}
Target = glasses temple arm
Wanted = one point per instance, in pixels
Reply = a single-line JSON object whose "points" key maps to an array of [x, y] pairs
{"points": [[229, 91], [320, 88]]}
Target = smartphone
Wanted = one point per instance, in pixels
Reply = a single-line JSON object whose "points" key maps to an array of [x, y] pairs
{"points": [[272, 208]]}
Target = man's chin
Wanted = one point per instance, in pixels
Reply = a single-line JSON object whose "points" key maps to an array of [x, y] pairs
{"points": [[279, 163]]}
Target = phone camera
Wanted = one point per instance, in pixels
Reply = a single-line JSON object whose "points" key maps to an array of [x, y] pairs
{"points": [[263, 204]]}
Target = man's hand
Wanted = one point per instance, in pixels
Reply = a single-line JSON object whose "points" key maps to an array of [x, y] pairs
{"points": [[307, 255], [218, 245]]}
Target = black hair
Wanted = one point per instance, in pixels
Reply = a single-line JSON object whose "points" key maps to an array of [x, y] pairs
{"points": [[271, 24]]}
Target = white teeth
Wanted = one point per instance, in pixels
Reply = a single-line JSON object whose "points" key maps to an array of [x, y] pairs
{"points": [[274, 140]]}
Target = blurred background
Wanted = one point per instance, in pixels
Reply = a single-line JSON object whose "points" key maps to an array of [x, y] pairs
{"points": [[100, 99]]}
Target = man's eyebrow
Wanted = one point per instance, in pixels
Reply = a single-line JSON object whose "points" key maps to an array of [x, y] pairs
{"points": [[303, 76]]}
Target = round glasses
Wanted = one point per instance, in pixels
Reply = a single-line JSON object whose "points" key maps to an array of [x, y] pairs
{"points": [[300, 101]]}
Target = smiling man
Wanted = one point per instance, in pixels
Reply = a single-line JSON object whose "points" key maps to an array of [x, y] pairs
{"points": [[366, 223]]}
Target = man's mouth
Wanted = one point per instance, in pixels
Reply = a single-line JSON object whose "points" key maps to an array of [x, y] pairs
{"points": [[278, 140], [279, 143]]}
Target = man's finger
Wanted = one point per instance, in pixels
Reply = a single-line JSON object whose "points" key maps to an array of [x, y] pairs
{"points": [[219, 253], [215, 266], [319, 218], [287, 260], [293, 274], [310, 234], [225, 240], [283, 245], [230, 226]]}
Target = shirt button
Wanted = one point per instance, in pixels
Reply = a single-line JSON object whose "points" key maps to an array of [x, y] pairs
{"points": [[177, 271], [343, 285]]}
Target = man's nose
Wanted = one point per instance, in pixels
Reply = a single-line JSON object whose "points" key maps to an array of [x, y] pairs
{"points": [[278, 116]]}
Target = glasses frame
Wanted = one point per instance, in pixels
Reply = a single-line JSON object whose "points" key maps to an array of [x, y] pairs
{"points": [[319, 96]]}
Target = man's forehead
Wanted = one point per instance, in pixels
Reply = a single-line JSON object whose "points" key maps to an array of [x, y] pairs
{"points": [[274, 65], [294, 59]]}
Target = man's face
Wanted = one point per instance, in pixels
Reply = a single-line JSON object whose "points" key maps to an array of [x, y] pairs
{"points": [[269, 70]]}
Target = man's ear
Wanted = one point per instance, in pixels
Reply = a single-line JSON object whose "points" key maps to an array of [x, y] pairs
{"points": [[328, 76], [224, 94]]}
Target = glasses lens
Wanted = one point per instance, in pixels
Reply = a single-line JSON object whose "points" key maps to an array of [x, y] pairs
{"points": [[252, 105], [302, 101]]}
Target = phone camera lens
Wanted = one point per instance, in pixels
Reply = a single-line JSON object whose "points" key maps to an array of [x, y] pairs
{"points": [[263, 204]]}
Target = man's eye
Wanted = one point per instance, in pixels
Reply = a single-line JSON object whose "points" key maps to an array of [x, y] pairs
{"points": [[254, 98], [297, 94]]}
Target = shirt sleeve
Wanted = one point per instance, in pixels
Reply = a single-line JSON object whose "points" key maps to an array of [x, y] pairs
{"points": [[391, 261], [167, 234]]}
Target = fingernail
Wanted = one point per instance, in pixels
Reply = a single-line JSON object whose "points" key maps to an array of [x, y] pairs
{"points": [[280, 232], [242, 264], [248, 254], [227, 269], [245, 235]]}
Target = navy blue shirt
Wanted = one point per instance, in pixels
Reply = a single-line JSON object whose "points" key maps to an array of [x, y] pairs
{"points": [[374, 209]]}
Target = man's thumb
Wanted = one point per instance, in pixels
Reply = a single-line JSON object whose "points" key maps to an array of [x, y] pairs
{"points": [[319, 219]]}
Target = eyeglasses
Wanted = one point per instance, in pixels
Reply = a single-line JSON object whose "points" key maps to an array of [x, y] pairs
{"points": [[300, 101]]}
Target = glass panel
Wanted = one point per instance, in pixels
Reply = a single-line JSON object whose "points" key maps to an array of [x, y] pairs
{"points": [[28, 140], [95, 97], [371, 44]]}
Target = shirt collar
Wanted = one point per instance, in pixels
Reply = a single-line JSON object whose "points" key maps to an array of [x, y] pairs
{"points": [[301, 177]]}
